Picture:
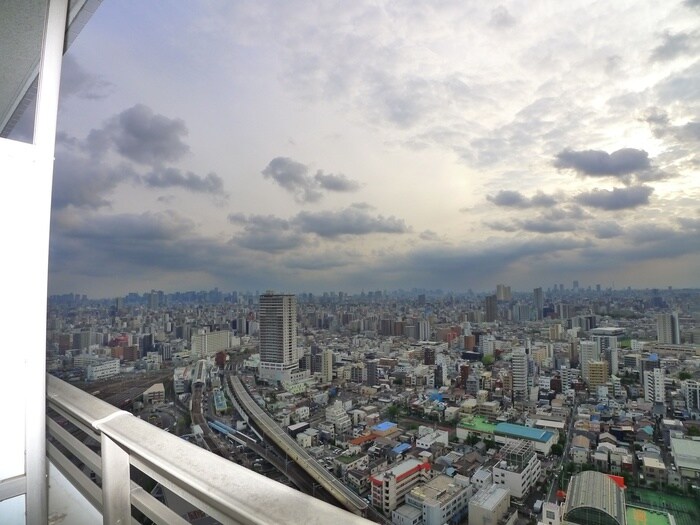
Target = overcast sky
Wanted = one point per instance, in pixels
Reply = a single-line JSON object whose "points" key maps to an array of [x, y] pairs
{"points": [[311, 146]]}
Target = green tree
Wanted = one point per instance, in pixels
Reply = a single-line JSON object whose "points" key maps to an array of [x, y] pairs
{"points": [[693, 431], [684, 375], [557, 449], [487, 360], [392, 412]]}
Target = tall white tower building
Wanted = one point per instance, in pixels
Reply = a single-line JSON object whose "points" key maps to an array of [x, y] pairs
{"points": [[519, 367]]}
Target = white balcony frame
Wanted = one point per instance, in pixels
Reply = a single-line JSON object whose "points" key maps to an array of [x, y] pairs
{"points": [[228, 492]]}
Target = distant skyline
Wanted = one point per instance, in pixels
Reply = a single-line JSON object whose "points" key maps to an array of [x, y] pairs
{"points": [[378, 145]]}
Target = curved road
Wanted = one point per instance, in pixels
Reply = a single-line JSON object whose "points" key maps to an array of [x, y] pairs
{"points": [[267, 425]]}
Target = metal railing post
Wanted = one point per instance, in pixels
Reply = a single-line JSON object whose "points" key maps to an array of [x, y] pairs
{"points": [[116, 486]]}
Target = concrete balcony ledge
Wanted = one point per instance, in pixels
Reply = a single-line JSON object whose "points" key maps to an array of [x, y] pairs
{"points": [[223, 490]]}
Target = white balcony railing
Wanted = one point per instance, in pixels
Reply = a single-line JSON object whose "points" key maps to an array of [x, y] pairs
{"points": [[106, 454]]}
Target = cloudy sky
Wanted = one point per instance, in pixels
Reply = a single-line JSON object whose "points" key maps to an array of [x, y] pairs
{"points": [[310, 146]]}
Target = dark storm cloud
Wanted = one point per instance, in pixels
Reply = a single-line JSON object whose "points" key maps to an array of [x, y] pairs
{"points": [[85, 175], [675, 45], [76, 81], [500, 17], [318, 262], [350, 221], [596, 163], [547, 226], [515, 199], [142, 136], [558, 219], [266, 233], [661, 126], [460, 266], [294, 177], [617, 198], [174, 177], [502, 226], [146, 227], [84, 183], [429, 235], [650, 242], [606, 229], [128, 245], [333, 182]]}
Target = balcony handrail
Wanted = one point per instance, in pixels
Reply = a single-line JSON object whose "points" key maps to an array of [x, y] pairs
{"points": [[224, 490]]}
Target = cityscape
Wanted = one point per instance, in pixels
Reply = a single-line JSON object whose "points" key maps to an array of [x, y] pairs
{"points": [[407, 263], [415, 407]]}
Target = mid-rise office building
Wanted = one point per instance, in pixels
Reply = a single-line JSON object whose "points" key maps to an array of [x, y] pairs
{"points": [[597, 374], [443, 499], [519, 469], [490, 505], [389, 488]]}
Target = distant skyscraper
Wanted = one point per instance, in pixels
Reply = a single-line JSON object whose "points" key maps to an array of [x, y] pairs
{"points": [[491, 307], [372, 372], [278, 330], [503, 292], [668, 329], [327, 366], [539, 302]]}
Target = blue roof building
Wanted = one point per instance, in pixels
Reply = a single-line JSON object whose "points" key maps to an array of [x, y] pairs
{"points": [[542, 439]]}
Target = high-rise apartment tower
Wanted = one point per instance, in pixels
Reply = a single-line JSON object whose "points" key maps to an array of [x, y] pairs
{"points": [[278, 331]]}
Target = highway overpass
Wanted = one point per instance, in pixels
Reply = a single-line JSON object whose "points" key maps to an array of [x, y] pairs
{"points": [[295, 452]]}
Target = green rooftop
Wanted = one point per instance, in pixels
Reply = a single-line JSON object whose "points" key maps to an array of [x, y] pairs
{"points": [[477, 424], [638, 516]]}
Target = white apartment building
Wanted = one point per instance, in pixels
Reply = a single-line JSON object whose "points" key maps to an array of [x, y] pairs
{"points": [[427, 437], [209, 343], [654, 390], [520, 468], [339, 418], [691, 392], [107, 367]]}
